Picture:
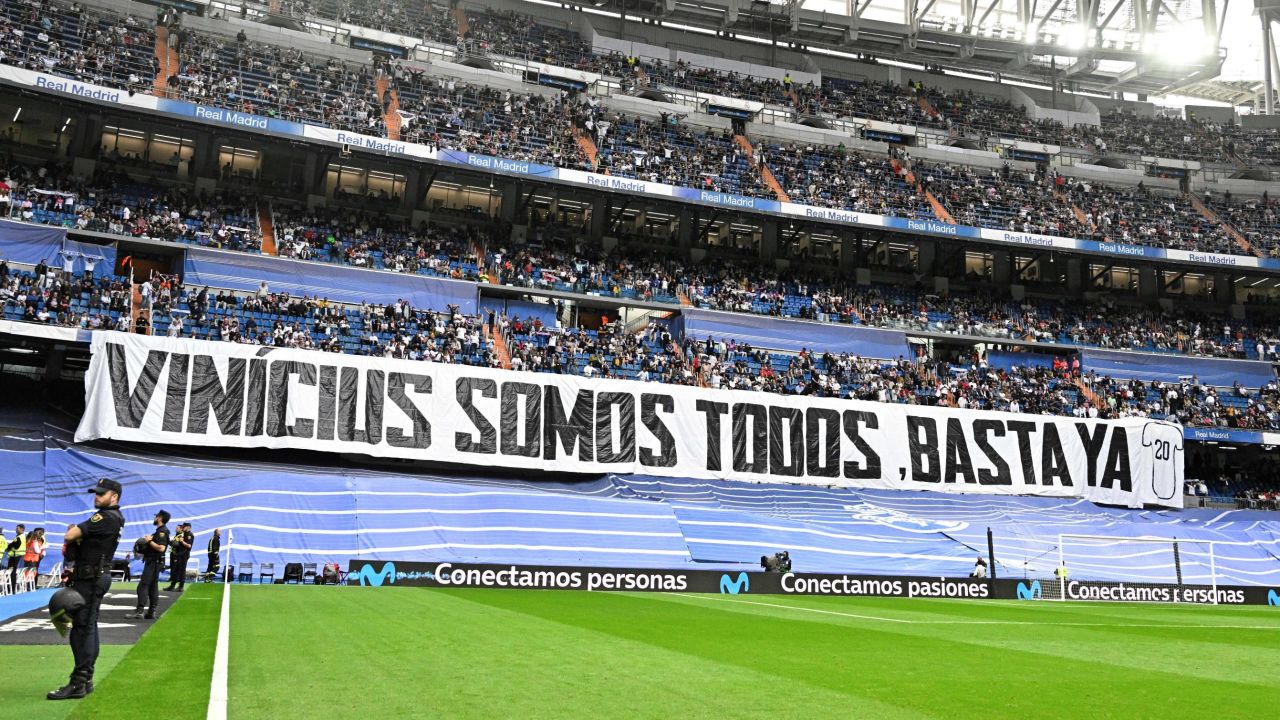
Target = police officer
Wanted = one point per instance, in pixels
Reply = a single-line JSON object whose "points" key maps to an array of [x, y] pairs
{"points": [[179, 555], [214, 560], [13, 553], [90, 547], [152, 563]]}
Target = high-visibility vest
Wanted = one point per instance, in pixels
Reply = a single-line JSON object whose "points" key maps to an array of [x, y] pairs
{"points": [[21, 548], [33, 551]]}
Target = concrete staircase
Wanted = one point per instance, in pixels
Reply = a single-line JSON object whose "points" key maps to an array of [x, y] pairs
{"points": [[499, 347], [267, 229], [766, 174], [939, 211], [391, 118], [926, 106], [138, 312], [1089, 395], [1080, 216], [479, 252], [588, 147], [683, 298], [460, 19], [1212, 217], [169, 63]]}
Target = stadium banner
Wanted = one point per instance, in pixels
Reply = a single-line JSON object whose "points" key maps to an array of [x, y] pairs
{"points": [[229, 118], [87, 91], [613, 182], [1107, 591], [208, 393], [385, 573], [369, 143], [504, 166], [1232, 435], [376, 573]]}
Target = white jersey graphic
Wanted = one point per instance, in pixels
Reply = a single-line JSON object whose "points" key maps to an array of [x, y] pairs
{"points": [[1160, 461]]}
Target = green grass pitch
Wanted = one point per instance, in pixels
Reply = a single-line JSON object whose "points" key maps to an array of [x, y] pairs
{"points": [[323, 652]]}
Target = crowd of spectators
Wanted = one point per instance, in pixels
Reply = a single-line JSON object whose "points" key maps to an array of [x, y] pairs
{"points": [[1003, 198], [1141, 216], [394, 330], [58, 295], [444, 113], [1256, 219], [73, 41], [111, 202], [351, 237], [85, 300], [118, 50], [840, 178]]}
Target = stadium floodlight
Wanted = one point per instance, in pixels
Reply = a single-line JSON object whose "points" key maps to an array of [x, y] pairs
{"points": [[1182, 43], [1134, 569], [1072, 37]]}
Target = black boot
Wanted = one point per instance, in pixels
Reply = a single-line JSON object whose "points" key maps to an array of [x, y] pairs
{"points": [[70, 691], [88, 687], [135, 615]]}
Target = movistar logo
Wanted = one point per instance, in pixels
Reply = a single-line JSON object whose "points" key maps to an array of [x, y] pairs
{"points": [[1029, 592], [375, 578], [1273, 598], [729, 586]]}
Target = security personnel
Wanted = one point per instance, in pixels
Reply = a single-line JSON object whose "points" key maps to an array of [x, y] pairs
{"points": [[215, 546], [90, 546], [13, 553], [152, 564], [179, 555]]}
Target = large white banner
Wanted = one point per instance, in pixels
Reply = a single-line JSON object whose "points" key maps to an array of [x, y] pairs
{"points": [[203, 393]]}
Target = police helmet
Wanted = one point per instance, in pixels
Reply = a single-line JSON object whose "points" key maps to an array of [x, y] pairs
{"points": [[64, 604]]}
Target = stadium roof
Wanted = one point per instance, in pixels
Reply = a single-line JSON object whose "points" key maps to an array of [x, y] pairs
{"points": [[1149, 47]]}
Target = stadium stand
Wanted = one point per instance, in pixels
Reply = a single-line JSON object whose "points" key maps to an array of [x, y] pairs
{"points": [[382, 230], [115, 204]]}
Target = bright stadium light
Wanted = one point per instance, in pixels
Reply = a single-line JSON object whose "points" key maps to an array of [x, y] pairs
{"points": [[1072, 37], [1183, 42]]}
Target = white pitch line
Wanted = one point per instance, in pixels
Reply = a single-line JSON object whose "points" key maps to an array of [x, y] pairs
{"points": [[1051, 623], [218, 683]]}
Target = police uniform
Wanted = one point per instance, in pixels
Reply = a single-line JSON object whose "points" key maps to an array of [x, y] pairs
{"points": [[91, 577], [215, 545], [152, 564], [179, 555]]}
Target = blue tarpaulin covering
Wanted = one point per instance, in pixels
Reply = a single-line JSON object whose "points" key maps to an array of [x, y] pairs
{"points": [[795, 335], [29, 244], [240, 271], [1005, 360], [1169, 368], [277, 512]]}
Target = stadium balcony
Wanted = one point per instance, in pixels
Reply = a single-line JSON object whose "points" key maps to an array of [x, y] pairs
{"points": [[463, 249]]}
